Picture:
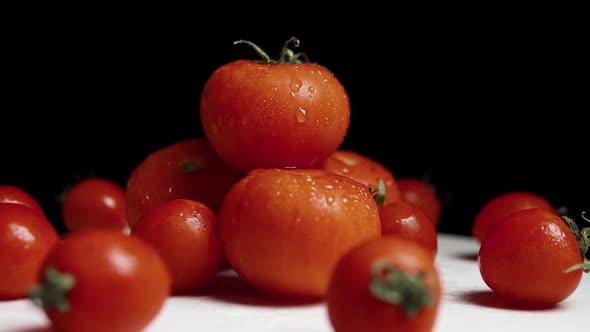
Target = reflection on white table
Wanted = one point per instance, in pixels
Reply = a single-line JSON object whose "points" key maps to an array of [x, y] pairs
{"points": [[230, 305]]}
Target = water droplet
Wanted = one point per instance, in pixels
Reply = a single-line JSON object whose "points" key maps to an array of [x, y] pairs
{"points": [[344, 200], [301, 115], [295, 84], [275, 88], [292, 93], [311, 89], [325, 80]]}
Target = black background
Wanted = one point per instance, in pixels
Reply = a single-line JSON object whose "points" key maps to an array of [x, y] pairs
{"points": [[475, 106]]}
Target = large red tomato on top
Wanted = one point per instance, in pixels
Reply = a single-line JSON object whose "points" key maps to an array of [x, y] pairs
{"points": [[267, 114]]}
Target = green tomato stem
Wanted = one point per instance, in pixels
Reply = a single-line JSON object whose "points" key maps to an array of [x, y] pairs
{"points": [[258, 50], [53, 290]]}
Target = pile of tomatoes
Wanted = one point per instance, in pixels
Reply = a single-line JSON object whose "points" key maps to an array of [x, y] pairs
{"points": [[268, 192]]}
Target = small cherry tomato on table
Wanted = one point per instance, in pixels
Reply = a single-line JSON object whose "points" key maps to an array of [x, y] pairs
{"points": [[284, 113], [184, 232], [421, 194], [387, 284], [100, 280], [532, 258], [26, 236]]}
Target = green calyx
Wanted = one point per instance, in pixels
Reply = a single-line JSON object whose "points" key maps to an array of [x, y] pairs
{"points": [[191, 166], [287, 56], [52, 292], [583, 239], [393, 286], [379, 193]]}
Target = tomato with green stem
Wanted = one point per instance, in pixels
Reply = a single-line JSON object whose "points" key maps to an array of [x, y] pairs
{"points": [[26, 236], [533, 259], [100, 280], [285, 113], [385, 284]]}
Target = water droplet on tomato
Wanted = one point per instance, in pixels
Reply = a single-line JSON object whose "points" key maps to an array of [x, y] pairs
{"points": [[311, 89], [301, 115], [295, 84], [292, 93], [275, 88]]}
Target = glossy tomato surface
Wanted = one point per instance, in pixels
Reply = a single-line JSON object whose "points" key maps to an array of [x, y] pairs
{"points": [[408, 221], [283, 230], [107, 281], [267, 115], [26, 236], [184, 232], [94, 202], [358, 297], [421, 194], [187, 169], [501, 206], [363, 169], [524, 258], [17, 195]]}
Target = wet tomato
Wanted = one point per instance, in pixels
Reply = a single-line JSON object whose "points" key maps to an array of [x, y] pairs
{"points": [[408, 221], [184, 232], [421, 194], [94, 202], [274, 114], [187, 169], [387, 284], [100, 280], [527, 256], [26, 236], [284, 229], [17, 195], [363, 169], [501, 206]]}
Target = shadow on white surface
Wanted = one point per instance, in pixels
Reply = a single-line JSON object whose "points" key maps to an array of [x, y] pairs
{"points": [[31, 329], [489, 299], [228, 287]]}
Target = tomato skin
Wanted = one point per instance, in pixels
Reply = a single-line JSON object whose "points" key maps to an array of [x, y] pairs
{"points": [[94, 202], [187, 169], [421, 194], [17, 195], [524, 256], [121, 283], [351, 306], [283, 230], [184, 233], [259, 115], [408, 221], [501, 206], [363, 169], [26, 236]]}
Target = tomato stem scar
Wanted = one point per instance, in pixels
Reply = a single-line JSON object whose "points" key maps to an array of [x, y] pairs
{"points": [[51, 293], [393, 286]]}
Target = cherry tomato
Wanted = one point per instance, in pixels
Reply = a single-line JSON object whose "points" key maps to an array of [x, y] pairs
{"points": [[267, 114], [184, 232], [26, 236], [421, 194], [363, 169], [187, 169], [283, 230], [94, 202], [501, 206], [101, 280], [17, 195], [382, 285], [408, 221], [525, 256]]}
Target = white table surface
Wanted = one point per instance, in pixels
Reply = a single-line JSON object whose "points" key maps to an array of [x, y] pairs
{"points": [[467, 306]]}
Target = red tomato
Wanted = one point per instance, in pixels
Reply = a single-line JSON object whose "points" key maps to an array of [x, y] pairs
{"points": [[259, 114], [501, 206], [26, 236], [94, 202], [524, 258], [101, 280], [283, 230], [187, 169], [363, 169], [14, 194], [387, 284], [184, 232], [408, 221], [421, 194]]}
